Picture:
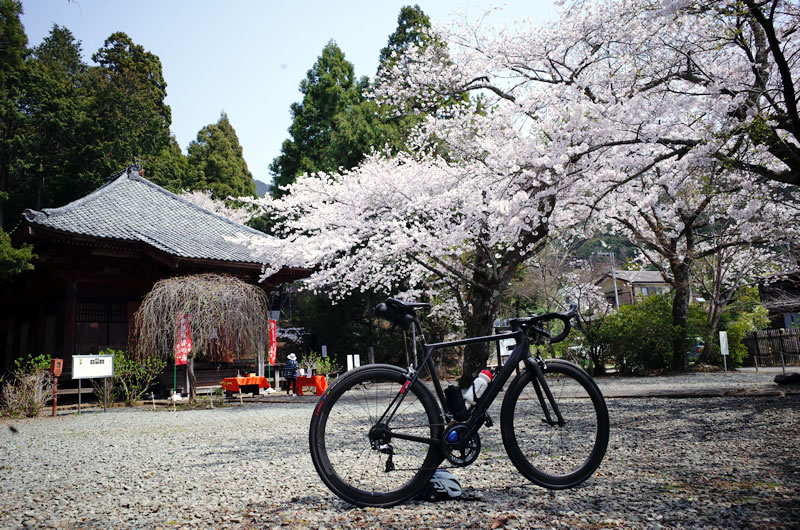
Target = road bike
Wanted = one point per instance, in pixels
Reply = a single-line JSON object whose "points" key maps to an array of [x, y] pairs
{"points": [[379, 433]]}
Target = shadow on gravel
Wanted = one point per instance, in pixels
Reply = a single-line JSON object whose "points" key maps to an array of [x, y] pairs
{"points": [[720, 462]]}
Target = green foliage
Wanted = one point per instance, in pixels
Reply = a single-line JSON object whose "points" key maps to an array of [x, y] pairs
{"points": [[132, 377], [640, 336], [744, 315], [346, 326], [330, 88], [412, 26], [66, 127], [169, 169], [30, 364], [49, 148], [326, 366], [13, 261], [217, 164], [12, 52], [127, 117], [308, 362]]}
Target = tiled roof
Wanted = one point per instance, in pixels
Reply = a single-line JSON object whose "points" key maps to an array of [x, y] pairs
{"points": [[640, 276], [131, 208]]}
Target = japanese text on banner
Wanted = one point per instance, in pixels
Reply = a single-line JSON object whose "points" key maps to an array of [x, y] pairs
{"points": [[273, 342], [183, 344]]}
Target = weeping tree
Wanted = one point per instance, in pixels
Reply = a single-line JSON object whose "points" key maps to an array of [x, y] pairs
{"points": [[227, 318]]}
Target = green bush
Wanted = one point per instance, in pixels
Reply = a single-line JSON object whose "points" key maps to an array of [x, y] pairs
{"points": [[30, 364], [132, 378], [326, 365], [640, 336], [737, 325]]}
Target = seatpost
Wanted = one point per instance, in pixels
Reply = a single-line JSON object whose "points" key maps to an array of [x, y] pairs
{"points": [[414, 344], [414, 328]]}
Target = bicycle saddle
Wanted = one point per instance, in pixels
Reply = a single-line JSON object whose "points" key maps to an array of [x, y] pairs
{"points": [[397, 312]]}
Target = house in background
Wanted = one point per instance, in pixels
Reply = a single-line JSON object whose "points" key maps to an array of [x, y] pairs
{"points": [[780, 294], [632, 285], [100, 255]]}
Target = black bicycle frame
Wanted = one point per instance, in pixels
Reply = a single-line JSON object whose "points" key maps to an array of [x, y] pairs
{"points": [[477, 417]]}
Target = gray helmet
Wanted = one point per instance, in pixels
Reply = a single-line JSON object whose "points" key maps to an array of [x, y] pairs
{"points": [[442, 486]]}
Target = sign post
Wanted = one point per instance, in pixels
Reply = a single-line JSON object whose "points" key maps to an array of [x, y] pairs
{"points": [[91, 367], [723, 348]]}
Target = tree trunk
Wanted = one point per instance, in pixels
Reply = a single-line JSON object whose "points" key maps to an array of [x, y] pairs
{"points": [[479, 323], [192, 380], [680, 314]]}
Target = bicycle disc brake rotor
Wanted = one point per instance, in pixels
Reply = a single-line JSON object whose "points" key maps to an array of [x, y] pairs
{"points": [[457, 450]]}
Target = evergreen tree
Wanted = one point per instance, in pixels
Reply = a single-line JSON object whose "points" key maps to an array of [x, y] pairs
{"points": [[371, 126], [330, 88], [13, 44], [48, 148], [169, 168], [412, 28], [217, 162], [127, 118], [13, 261]]}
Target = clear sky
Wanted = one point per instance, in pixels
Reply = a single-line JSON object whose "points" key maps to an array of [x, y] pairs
{"points": [[247, 57]]}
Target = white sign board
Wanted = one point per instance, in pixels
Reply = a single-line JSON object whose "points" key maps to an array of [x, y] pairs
{"points": [[92, 366], [723, 342], [506, 346], [353, 361]]}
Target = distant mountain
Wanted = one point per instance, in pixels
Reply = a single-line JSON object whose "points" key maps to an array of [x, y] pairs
{"points": [[261, 188]]}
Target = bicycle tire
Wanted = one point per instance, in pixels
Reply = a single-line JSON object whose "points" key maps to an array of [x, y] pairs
{"points": [[552, 456], [340, 445]]}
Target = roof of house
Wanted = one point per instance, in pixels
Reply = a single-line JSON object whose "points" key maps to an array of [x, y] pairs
{"points": [[131, 208], [638, 276]]}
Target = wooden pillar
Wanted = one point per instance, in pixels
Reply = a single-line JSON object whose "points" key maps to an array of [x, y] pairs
{"points": [[70, 320]]}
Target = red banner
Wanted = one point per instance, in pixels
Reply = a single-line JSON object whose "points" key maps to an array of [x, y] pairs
{"points": [[273, 342], [183, 344]]}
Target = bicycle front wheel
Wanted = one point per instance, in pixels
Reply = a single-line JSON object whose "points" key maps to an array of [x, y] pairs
{"points": [[551, 455], [358, 454]]}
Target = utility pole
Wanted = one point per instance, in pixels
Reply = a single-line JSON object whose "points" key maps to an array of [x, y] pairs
{"points": [[614, 279], [613, 275]]}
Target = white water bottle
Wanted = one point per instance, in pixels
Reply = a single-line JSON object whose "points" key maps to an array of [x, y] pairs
{"points": [[477, 388]]}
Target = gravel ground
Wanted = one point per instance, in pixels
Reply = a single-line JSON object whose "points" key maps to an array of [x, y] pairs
{"points": [[702, 461]]}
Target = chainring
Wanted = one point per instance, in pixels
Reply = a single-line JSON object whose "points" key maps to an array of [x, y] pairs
{"points": [[457, 450]]}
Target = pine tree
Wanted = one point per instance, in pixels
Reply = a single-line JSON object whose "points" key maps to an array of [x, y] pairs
{"points": [[169, 168], [127, 117], [330, 88], [216, 160], [48, 148], [13, 44]]}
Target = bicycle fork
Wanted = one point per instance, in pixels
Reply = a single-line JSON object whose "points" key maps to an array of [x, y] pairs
{"points": [[538, 366]]}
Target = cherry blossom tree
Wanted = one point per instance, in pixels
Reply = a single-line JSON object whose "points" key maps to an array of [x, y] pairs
{"points": [[666, 117], [407, 222], [686, 103], [721, 275], [704, 217], [238, 212]]}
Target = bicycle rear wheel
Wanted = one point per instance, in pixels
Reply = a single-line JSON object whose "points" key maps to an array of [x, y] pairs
{"points": [[553, 456], [360, 460]]}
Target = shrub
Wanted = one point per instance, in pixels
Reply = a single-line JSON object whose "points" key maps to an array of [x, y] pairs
{"points": [[29, 389], [326, 366], [640, 336], [132, 378], [737, 327]]}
